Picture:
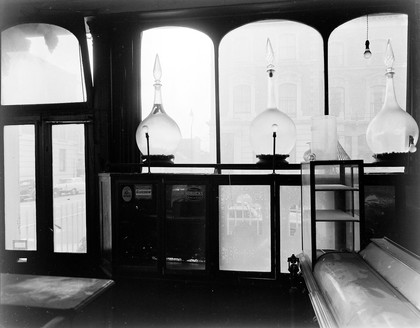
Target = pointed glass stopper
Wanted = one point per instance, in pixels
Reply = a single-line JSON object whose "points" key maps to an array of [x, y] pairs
{"points": [[389, 58], [269, 56], [157, 70], [157, 74]]}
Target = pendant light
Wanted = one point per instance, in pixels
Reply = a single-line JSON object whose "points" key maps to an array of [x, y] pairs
{"points": [[367, 54]]}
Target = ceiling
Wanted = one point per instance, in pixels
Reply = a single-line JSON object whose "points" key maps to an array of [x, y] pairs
{"points": [[96, 7], [10, 10]]}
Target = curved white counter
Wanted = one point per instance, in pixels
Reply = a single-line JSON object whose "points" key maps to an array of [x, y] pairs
{"points": [[349, 292]]}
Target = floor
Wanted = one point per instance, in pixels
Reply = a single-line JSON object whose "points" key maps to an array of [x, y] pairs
{"points": [[180, 304], [153, 303]]}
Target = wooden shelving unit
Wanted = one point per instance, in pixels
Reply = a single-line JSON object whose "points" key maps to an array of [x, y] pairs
{"points": [[332, 217]]}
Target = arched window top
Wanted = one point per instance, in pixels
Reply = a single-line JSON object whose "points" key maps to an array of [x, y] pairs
{"points": [[40, 64], [183, 49], [378, 28], [290, 40]]}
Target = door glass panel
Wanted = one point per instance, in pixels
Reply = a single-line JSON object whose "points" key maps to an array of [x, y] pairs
{"points": [[19, 187], [40, 64], [69, 188], [244, 228], [185, 227]]}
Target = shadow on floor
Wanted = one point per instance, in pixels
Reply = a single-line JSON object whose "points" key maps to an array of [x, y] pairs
{"points": [[161, 303], [179, 304]]}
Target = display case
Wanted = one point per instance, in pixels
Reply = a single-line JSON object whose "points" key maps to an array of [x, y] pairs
{"points": [[153, 224], [332, 215]]}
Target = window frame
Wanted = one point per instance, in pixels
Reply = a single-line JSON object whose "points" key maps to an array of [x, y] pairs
{"points": [[249, 180], [216, 23], [114, 108], [42, 116], [76, 26]]}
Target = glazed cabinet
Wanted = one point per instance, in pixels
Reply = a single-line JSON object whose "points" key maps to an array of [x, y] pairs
{"points": [[153, 224]]}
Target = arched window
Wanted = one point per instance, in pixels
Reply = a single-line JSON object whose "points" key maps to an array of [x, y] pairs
{"points": [[288, 48], [187, 61], [242, 56], [377, 97], [41, 64], [288, 99], [361, 77], [336, 54], [337, 101], [242, 98]]}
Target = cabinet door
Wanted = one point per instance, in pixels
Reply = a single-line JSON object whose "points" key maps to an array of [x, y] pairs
{"points": [[137, 227], [245, 228], [185, 226]]}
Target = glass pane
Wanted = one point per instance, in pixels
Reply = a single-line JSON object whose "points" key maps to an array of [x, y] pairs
{"points": [[89, 40], [69, 188], [185, 227], [187, 62], [40, 64], [138, 224], [298, 60], [357, 84], [381, 215], [290, 224], [19, 187], [306, 210], [334, 236], [244, 228]]}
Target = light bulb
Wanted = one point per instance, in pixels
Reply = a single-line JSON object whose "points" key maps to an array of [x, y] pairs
{"points": [[367, 54]]}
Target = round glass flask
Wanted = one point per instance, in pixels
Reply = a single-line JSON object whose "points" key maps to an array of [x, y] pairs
{"points": [[261, 129], [392, 131], [162, 131]]}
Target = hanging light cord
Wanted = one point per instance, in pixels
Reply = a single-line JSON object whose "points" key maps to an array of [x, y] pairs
{"points": [[367, 54], [367, 27]]}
